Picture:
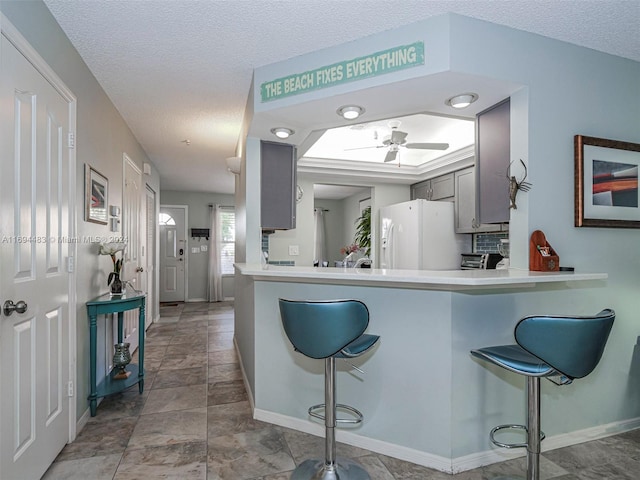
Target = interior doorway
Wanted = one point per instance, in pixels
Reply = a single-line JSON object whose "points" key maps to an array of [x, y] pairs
{"points": [[341, 206]]}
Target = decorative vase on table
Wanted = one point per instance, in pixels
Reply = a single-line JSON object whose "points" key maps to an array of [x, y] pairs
{"points": [[121, 358], [117, 285]]}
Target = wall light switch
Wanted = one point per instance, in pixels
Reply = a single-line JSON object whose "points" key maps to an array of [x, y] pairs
{"points": [[203, 248], [195, 250], [294, 250]]}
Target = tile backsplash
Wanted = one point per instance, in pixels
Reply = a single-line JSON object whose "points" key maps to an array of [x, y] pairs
{"points": [[488, 242]]}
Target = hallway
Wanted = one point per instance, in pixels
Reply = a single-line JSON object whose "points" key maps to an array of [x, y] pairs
{"points": [[194, 422]]}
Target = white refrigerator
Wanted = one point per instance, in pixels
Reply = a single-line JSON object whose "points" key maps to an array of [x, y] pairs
{"points": [[420, 235]]}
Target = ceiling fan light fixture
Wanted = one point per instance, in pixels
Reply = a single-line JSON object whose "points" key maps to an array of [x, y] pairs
{"points": [[462, 101], [350, 112], [282, 132]]}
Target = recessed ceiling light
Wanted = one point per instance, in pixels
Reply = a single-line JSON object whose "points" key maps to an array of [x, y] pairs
{"points": [[282, 132], [350, 112], [463, 100]]}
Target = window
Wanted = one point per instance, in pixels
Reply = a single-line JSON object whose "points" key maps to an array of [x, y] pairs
{"points": [[228, 240], [166, 219]]}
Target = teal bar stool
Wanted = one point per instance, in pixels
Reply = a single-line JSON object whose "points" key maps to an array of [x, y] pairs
{"points": [[329, 330], [556, 347]]}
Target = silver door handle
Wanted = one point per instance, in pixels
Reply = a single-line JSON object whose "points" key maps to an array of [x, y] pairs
{"points": [[9, 307]]}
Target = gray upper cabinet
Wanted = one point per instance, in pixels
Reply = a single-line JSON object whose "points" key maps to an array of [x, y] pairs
{"points": [[465, 204], [278, 185], [438, 188], [493, 150]]}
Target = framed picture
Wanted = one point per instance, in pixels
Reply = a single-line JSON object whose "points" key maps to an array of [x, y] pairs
{"points": [[606, 183], [96, 192]]}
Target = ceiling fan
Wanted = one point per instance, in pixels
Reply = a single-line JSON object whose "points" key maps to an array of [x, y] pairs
{"points": [[398, 139]]}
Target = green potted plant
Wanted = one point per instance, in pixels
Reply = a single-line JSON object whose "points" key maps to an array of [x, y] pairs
{"points": [[363, 231]]}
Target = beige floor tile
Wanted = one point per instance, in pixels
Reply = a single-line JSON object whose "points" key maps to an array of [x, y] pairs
{"points": [[169, 378], [181, 461], [95, 468], [178, 398], [168, 428]]}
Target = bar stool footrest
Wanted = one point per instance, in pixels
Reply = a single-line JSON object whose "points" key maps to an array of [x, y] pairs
{"points": [[510, 427], [313, 411]]}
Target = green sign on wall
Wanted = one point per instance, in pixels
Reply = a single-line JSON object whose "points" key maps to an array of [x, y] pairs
{"points": [[379, 63]]}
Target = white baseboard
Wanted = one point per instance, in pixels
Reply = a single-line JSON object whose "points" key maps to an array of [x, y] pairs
{"points": [[244, 376], [190, 300], [82, 421], [443, 464], [475, 460], [403, 453]]}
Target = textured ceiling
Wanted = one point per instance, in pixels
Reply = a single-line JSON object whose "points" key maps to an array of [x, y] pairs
{"points": [[181, 69]]}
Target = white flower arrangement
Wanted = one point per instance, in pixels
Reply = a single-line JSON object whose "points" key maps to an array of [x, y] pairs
{"points": [[111, 249]]}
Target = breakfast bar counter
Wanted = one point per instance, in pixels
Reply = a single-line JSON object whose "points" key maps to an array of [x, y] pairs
{"points": [[424, 399], [424, 279]]}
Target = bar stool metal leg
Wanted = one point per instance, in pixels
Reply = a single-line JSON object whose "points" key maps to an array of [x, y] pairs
{"points": [[331, 468], [533, 428]]}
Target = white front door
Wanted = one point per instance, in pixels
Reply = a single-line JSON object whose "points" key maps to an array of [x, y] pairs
{"points": [[173, 253], [35, 191], [131, 222]]}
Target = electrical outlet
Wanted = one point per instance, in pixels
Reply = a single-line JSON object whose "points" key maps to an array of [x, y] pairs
{"points": [[294, 250]]}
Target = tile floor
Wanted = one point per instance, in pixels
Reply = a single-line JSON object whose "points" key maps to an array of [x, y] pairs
{"points": [[194, 422]]}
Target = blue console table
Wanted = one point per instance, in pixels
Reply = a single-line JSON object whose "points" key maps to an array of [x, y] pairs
{"points": [[119, 304]]}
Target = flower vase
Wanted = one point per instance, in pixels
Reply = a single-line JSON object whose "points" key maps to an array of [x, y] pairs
{"points": [[121, 358], [117, 286]]}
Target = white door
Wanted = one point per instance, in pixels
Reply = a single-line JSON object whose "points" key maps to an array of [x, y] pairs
{"points": [[150, 255], [173, 246], [35, 189], [131, 229]]}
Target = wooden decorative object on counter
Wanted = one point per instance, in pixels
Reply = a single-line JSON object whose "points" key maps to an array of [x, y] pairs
{"points": [[542, 256]]}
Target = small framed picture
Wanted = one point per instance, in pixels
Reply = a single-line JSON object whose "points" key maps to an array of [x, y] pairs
{"points": [[606, 183], [96, 192]]}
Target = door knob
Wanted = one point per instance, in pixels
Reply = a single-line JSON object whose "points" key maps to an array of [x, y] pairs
{"points": [[9, 307], [139, 269]]}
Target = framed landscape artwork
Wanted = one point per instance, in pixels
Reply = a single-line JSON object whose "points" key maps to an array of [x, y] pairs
{"points": [[96, 194], [606, 183]]}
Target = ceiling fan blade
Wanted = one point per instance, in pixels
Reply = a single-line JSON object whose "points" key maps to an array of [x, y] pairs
{"points": [[398, 137], [391, 156], [428, 146], [362, 148]]}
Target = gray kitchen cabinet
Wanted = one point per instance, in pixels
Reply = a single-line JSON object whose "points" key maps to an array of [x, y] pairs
{"points": [[465, 205], [438, 188], [278, 186], [493, 152]]}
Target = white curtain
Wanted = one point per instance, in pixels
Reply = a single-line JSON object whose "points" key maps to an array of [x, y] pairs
{"points": [[320, 243], [215, 241]]}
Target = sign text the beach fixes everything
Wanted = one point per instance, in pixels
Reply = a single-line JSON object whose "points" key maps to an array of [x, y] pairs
{"points": [[379, 63]]}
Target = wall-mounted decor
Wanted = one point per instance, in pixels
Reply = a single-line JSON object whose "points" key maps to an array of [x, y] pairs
{"points": [[96, 195], [606, 183]]}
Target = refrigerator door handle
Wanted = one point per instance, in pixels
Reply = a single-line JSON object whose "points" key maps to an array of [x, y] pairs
{"points": [[390, 247]]}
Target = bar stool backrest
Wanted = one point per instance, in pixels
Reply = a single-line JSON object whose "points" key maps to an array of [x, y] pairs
{"points": [[322, 329], [571, 345]]}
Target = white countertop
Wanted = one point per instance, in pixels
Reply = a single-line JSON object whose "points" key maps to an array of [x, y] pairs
{"points": [[426, 279]]}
